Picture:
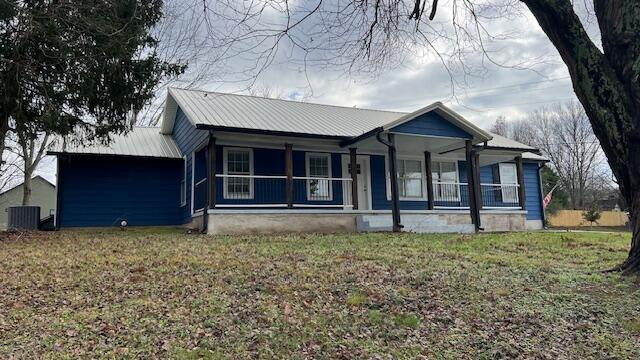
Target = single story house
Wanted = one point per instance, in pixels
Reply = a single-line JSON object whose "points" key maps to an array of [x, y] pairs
{"points": [[43, 194], [229, 163]]}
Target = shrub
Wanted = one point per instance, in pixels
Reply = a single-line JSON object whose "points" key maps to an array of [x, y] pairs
{"points": [[592, 215]]}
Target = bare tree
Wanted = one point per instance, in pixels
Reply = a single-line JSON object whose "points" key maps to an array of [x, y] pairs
{"points": [[501, 127], [28, 150], [563, 133]]}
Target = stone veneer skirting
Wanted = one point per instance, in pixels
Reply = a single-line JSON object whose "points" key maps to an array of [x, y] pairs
{"points": [[436, 221]]}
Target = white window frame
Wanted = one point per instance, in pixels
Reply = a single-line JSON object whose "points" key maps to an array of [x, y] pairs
{"points": [[422, 170], [508, 196], [183, 183], [225, 159], [435, 181], [307, 164]]}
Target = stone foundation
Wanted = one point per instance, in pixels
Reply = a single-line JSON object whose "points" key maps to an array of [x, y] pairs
{"points": [[503, 221], [280, 223], [436, 221]]}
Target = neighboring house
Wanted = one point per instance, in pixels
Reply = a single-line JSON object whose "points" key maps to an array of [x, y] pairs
{"points": [[43, 194], [241, 164]]}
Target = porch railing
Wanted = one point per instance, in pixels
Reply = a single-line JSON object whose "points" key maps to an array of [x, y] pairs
{"points": [[247, 191], [264, 191], [450, 195], [500, 196], [454, 195]]}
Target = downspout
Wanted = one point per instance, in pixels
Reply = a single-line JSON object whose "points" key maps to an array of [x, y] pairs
{"points": [[393, 166]]}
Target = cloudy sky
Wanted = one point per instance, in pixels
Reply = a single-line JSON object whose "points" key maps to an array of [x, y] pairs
{"points": [[517, 70]]}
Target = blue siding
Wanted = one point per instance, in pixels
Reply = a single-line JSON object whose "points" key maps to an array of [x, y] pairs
{"points": [[102, 191], [273, 191], [532, 193], [188, 139], [431, 124]]}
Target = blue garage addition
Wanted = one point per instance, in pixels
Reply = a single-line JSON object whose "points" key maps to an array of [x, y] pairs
{"points": [[104, 190]]}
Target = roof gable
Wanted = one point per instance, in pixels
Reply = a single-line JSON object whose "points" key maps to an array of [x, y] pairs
{"points": [[432, 124], [449, 116]]}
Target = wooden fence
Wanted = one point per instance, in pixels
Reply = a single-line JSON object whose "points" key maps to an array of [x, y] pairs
{"points": [[573, 218]]}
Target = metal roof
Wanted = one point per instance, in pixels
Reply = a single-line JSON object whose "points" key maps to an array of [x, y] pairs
{"points": [[258, 113], [141, 141], [220, 110], [528, 152], [499, 141]]}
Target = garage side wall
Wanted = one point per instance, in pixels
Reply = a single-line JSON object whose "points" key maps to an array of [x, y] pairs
{"points": [[103, 191]]}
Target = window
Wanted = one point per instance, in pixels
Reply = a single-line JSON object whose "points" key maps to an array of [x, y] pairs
{"points": [[410, 178], [318, 168], [183, 183], [238, 161], [509, 183], [445, 181]]}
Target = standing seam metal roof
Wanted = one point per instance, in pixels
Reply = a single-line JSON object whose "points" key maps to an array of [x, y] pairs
{"points": [[141, 141], [257, 113]]}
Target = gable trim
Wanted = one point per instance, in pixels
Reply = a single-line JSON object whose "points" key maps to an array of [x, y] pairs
{"points": [[449, 115]]}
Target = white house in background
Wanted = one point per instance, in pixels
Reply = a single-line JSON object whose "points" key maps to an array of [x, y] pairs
{"points": [[43, 194]]}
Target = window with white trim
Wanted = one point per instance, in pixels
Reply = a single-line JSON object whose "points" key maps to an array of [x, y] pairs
{"points": [[410, 182], [318, 168], [183, 183], [509, 182], [238, 161], [444, 175]]}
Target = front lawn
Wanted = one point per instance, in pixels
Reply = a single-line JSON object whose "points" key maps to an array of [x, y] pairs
{"points": [[163, 293]]}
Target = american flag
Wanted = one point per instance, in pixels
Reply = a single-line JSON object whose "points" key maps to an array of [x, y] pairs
{"points": [[547, 199]]}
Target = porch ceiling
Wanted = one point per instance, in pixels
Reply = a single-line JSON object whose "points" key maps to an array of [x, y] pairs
{"points": [[411, 144]]}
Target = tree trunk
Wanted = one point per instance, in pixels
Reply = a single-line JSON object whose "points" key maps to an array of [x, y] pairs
{"points": [[606, 83], [4, 128], [26, 189], [632, 264]]}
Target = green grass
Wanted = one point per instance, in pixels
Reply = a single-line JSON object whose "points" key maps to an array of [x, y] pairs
{"points": [[163, 293]]}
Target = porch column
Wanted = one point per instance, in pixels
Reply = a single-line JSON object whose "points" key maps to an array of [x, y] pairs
{"points": [[211, 170], [395, 195], [471, 188], [288, 165], [520, 174], [427, 164], [476, 165], [353, 161]]}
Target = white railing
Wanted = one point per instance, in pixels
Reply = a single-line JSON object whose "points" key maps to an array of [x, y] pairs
{"points": [[454, 195], [500, 196], [270, 191], [451, 195]]}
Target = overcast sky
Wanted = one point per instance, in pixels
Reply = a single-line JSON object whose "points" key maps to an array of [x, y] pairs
{"points": [[527, 73], [521, 73]]}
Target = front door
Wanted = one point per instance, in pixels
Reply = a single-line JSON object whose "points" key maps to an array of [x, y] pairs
{"points": [[362, 162]]}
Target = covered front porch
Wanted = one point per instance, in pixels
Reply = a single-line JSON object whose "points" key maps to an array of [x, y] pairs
{"points": [[441, 184]]}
